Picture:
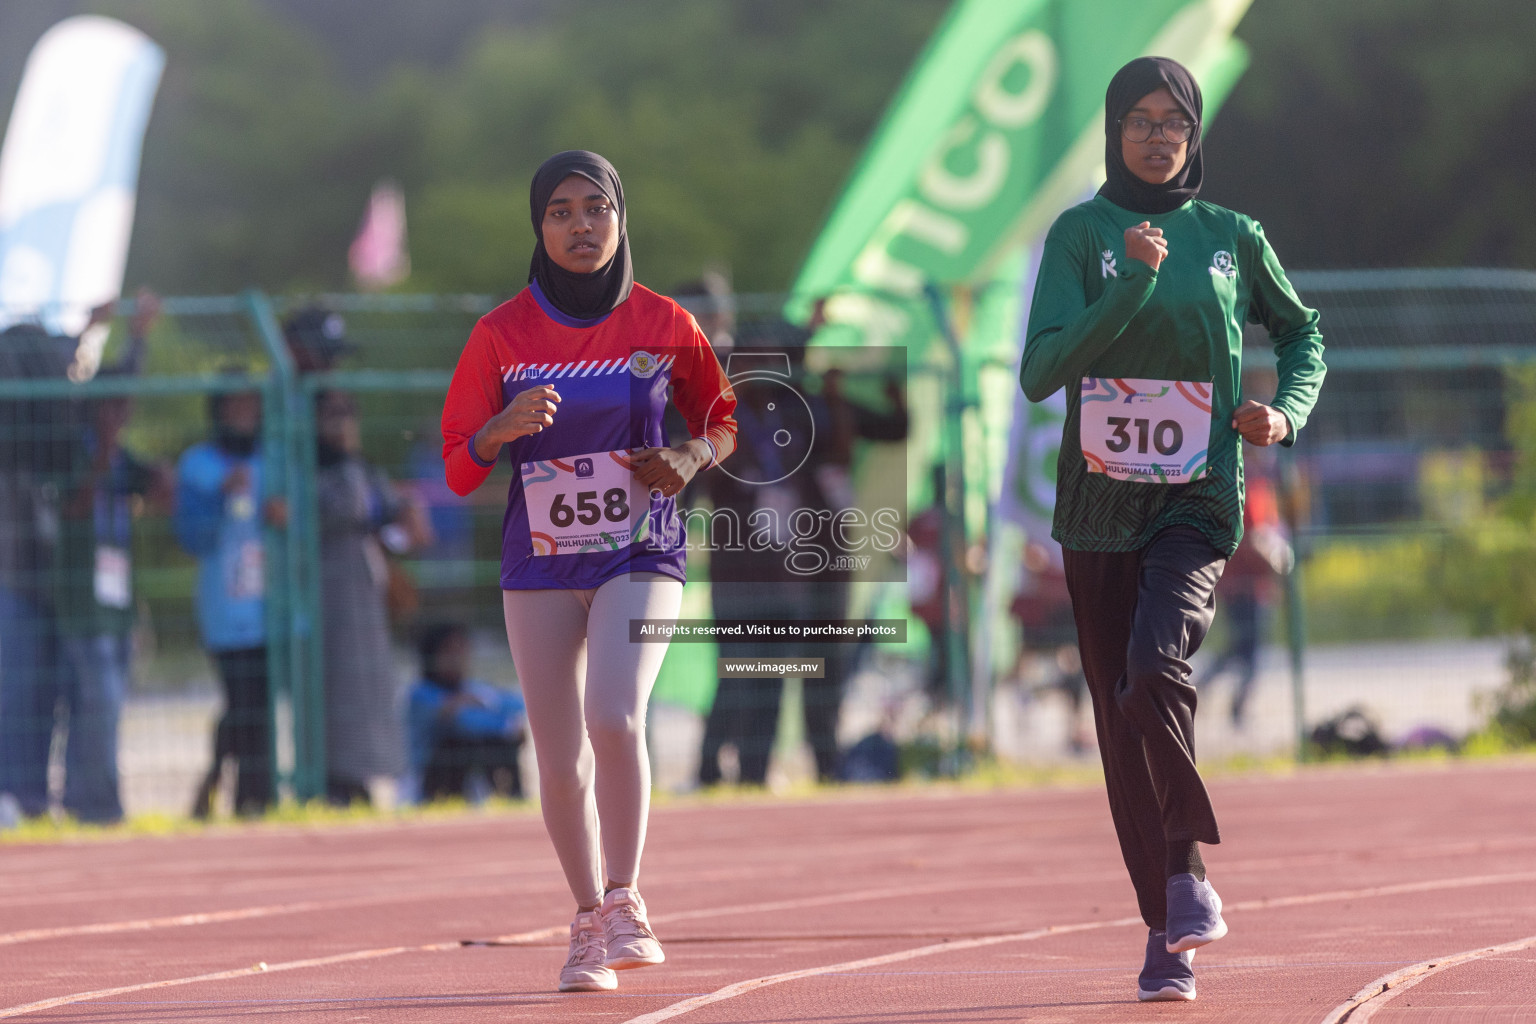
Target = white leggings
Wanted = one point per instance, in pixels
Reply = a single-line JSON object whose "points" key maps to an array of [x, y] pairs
{"points": [[586, 686]]}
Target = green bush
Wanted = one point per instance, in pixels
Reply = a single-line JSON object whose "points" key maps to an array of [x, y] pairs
{"points": [[1489, 572], [1514, 706], [1375, 589], [1488, 575]]}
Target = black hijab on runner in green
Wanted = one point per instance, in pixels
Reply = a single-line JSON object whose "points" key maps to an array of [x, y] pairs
{"points": [[1138, 78], [582, 296]]}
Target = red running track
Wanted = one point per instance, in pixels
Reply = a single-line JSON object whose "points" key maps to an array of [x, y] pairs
{"points": [[1388, 894]]}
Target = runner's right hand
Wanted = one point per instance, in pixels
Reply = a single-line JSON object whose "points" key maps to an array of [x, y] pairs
{"points": [[1146, 243], [528, 413]]}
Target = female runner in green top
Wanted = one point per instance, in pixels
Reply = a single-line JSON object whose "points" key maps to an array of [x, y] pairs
{"points": [[1138, 311]]}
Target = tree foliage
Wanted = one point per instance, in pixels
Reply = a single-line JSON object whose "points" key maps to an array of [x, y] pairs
{"points": [[1384, 132], [1380, 132], [733, 123]]}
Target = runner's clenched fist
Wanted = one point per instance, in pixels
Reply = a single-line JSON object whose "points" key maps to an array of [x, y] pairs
{"points": [[1146, 243]]}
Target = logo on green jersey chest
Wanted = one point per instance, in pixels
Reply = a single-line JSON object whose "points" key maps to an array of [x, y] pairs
{"points": [[1107, 263], [1223, 265]]}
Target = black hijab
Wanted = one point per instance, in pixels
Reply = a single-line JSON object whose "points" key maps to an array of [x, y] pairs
{"points": [[583, 296], [1138, 78]]}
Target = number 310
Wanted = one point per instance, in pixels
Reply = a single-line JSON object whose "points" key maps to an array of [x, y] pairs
{"points": [[1167, 436]]}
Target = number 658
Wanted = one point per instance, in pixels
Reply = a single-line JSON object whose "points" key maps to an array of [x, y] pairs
{"points": [[615, 508]]}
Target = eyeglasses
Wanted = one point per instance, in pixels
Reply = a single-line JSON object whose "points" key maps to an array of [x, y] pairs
{"points": [[1139, 129]]}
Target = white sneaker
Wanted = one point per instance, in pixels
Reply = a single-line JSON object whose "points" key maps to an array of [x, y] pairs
{"points": [[631, 943], [585, 970]]}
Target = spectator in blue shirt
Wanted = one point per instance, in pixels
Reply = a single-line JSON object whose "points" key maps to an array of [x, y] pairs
{"points": [[220, 514], [463, 731]]}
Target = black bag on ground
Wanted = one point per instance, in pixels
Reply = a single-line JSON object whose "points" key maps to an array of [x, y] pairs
{"points": [[1352, 734]]}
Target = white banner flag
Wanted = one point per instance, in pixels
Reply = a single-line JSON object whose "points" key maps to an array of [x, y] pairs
{"points": [[69, 173]]}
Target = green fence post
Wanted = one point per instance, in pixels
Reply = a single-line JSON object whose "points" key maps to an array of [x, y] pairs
{"points": [[290, 613], [1296, 626], [954, 538], [1298, 645], [306, 541], [276, 485]]}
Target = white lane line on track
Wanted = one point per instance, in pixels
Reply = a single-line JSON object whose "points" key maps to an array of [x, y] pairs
{"points": [[239, 972], [313, 906], [242, 914], [754, 984], [1362, 1006], [538, 935], [751, 985], [174, 921], [801, 903], [60, 892], [1401, 889], [535, 935]]}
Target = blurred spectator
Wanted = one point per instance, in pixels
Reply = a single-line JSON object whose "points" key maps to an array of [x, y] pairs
{"points": [[1250, 586], [710, 301], [759, 583], [842, 422], [65, 489], [317, 338], [361, 514], [220, 511], [1043, 609], [750, 581], [95, 602], [874, 758], [452, 516], [926, 592], [744, 712], [464, 732], [35, 437]]}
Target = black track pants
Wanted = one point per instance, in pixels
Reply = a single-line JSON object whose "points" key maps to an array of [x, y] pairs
{"points": [[1140, 615]]}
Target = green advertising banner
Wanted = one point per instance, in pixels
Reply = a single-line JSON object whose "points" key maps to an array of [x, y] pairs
{"points": [[996, 131]]}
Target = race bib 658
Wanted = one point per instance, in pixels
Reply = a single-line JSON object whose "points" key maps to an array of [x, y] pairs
{"points": [[584, 503]]}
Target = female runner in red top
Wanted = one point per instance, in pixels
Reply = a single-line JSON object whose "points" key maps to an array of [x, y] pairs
{"points": [[571, 376]]}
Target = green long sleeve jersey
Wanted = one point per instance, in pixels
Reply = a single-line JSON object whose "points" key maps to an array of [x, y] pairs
{"points": [[1097, 314]]}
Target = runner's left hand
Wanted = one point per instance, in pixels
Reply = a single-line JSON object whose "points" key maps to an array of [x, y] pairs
{"points": [[1260, 424], [667, 470]]}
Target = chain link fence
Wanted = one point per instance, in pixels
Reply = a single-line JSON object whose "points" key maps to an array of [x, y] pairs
{"points": [[125, 691]]}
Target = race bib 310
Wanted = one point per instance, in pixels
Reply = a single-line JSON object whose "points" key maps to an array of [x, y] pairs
{"points": [[1146, 431]]}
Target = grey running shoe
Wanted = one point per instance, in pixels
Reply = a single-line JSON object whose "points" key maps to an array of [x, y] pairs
{"points": [[586, 970], [1194, 913], [631, 943], [1165, 976]]}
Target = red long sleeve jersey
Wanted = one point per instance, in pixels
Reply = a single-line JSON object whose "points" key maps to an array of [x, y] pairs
{"points": [[575, 516]]}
